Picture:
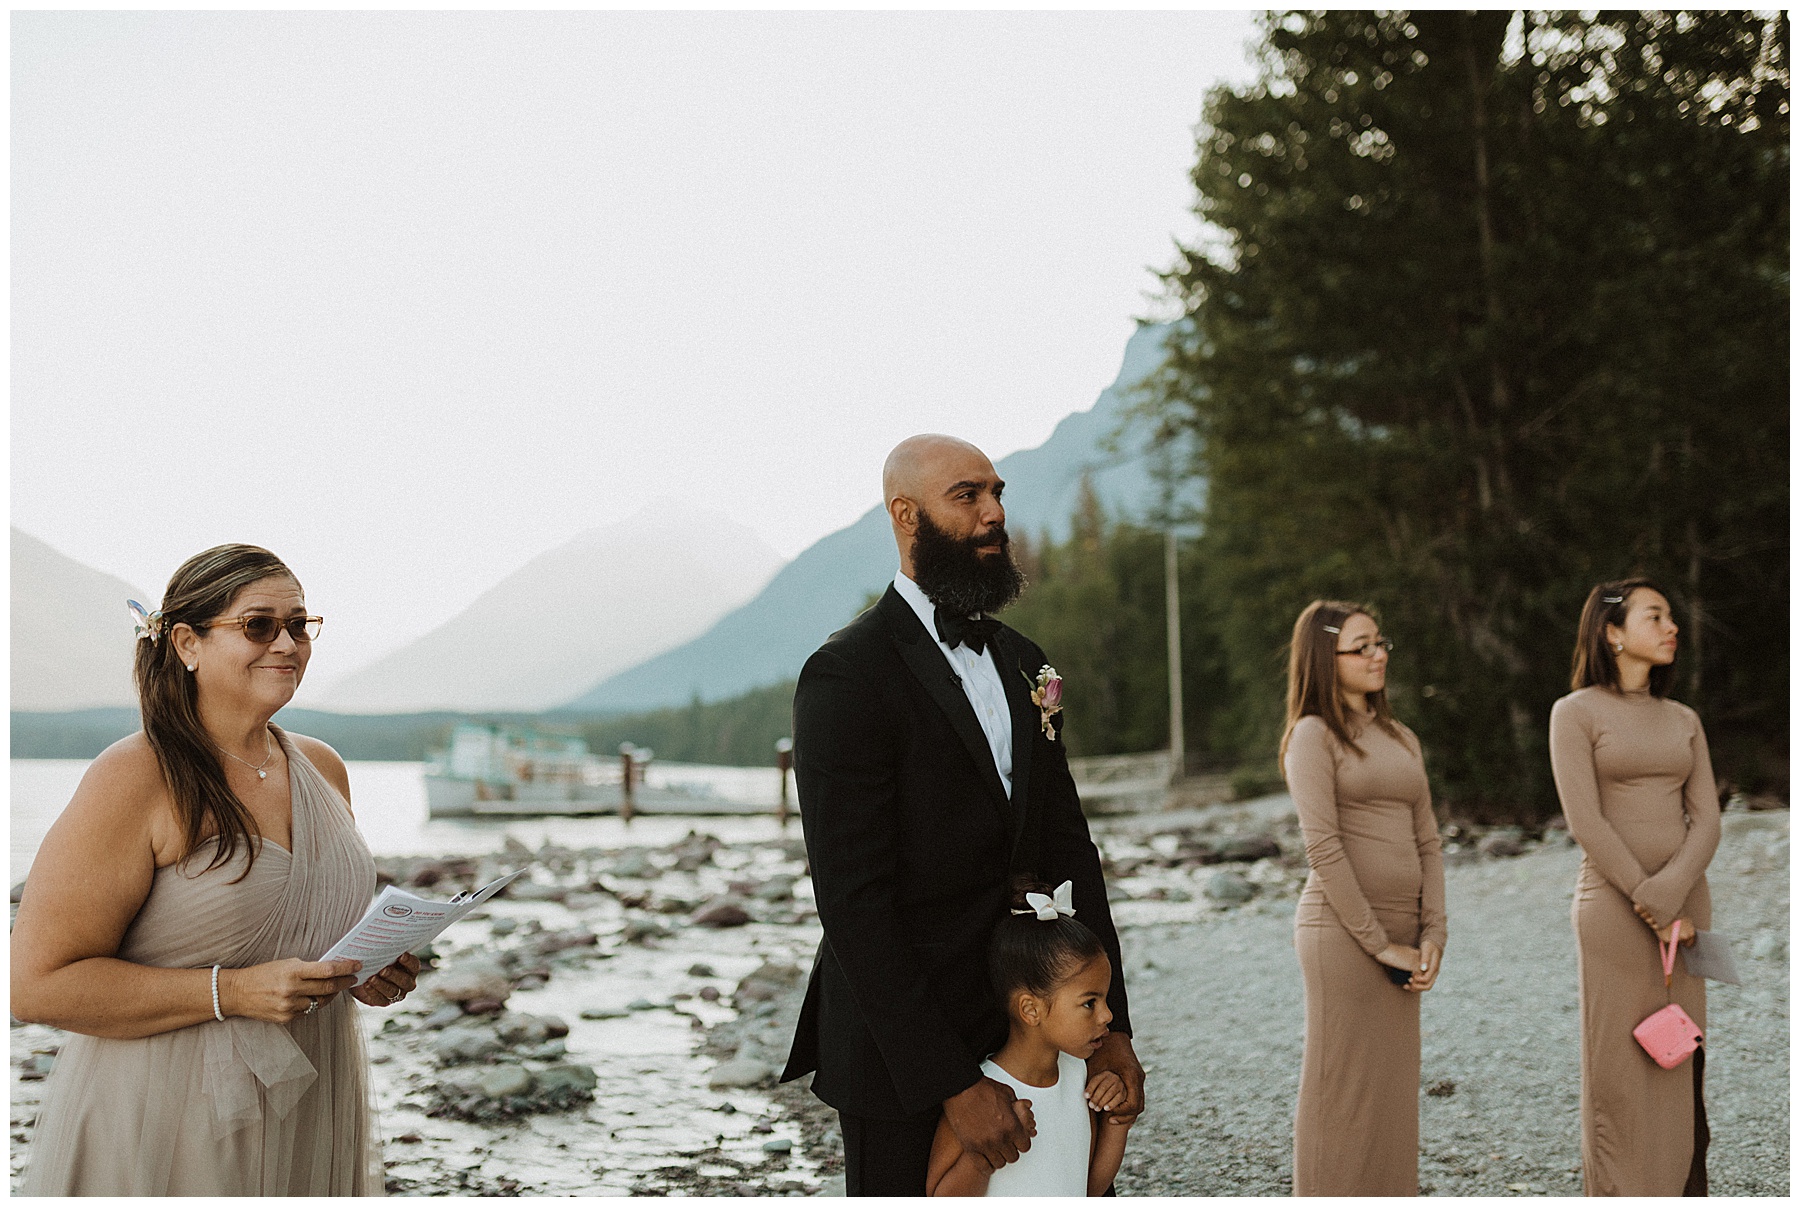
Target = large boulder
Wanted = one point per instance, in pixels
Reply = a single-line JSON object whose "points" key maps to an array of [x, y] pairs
{"points": [[475, 979]]}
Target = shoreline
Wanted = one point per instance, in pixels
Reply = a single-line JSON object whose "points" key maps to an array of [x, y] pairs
{"points": [[674, 973]]}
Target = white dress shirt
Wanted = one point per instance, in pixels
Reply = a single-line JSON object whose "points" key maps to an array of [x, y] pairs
{"points": [[980, 676]]}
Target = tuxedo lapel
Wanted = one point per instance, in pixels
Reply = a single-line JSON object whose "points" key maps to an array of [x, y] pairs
{"points": [[1008, 652], [928, 665]]}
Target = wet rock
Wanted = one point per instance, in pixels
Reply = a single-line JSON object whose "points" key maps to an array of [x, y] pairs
{"points": [[551, 942], [599, 1013], [639, 930], [739, 1073], [768, 982], [709, 993], [516, 1029], [782, 1145], [567, 1077], [501, 927], [1441, 1089], [674, 905], [516, 852], [1248, 848], [702, 970], [526, 890], [427, 874], [634, 865], [476, 979], [505, 1081], [695, 851], [408, 1138], [776, 888], [638, 1004], [443, 1016], [531, 981], [1501, 844], [1230, 888], [463, 1044], [722, 913]]}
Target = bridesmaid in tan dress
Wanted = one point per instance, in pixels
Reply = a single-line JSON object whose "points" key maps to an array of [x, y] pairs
{"points": [[172, 913], [1372, 911], [1636, 784]]}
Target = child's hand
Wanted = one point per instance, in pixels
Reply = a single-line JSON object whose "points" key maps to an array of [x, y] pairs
{"points": [[1105, 1092]]}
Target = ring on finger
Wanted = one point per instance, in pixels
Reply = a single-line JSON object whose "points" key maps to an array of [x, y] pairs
{"points": [[312, 1003]]}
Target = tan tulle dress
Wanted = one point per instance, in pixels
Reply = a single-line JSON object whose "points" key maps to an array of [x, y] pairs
{"points": [[1637, 787], [1377, 878], [240, 1107]]}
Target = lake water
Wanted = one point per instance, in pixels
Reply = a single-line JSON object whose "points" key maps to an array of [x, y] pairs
{"points": [[389, 799]]}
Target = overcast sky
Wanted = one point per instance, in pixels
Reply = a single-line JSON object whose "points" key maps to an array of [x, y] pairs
{"points": [[412, 297]]}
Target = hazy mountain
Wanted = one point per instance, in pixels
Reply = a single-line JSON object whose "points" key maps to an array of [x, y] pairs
{"points": [[71, 634], [817, 593], [570, 616]]}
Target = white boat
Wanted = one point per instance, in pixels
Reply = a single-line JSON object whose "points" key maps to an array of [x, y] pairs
{"points": [[498, 770]]}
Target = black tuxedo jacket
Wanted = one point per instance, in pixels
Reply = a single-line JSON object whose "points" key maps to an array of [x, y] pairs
{"points": [[913, 843]]}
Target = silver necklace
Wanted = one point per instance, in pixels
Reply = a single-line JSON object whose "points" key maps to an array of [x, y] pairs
{"points": [[268, 745]]}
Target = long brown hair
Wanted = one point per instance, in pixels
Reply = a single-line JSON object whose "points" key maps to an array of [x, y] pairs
{"points": [[199, 592], [1312, 673], [1594, 664]]}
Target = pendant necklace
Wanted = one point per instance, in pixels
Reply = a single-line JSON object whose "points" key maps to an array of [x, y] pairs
{"points": [[268, 745]]}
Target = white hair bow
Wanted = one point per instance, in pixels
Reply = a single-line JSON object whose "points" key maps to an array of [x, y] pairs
{"points": [[1047, 908]]}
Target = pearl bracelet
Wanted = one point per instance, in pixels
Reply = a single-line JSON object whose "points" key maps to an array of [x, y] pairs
{"points": [[217, 1013]]}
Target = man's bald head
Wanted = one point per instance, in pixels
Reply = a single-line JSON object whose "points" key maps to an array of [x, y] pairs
{"points": [[917, 462]]}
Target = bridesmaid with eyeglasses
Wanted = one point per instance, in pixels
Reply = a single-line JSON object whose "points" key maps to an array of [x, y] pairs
{"points": [[1370, 927], [174, 914]]}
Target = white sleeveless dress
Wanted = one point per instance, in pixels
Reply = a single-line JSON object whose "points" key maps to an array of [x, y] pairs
{"points": [[1057, 1162]]}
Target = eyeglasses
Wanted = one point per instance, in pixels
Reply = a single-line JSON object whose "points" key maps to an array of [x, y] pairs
{"points": [[1368, 651], [265, 629]]}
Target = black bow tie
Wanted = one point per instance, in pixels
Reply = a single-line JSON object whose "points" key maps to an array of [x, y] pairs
{"points": [[973, 631]]}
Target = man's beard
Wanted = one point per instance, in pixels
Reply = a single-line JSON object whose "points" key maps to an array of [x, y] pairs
{"points": [[959, 579]]}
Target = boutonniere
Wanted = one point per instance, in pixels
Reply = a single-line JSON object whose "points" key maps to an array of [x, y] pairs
{"points": [[1046, 693]]}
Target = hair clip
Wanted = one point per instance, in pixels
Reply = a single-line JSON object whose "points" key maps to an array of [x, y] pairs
{"points": [[1331, 628], [147, 626], [1612, 599]]}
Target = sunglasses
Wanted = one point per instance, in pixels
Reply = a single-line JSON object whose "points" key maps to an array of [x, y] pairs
{"points": [[265, 629]]}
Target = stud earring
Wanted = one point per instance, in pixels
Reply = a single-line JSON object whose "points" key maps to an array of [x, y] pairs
{"points": [[192, 665], [1618, 648]]}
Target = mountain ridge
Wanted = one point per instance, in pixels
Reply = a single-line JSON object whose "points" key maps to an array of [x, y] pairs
{"points": [[820, 590]]}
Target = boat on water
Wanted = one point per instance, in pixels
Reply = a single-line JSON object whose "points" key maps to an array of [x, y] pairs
{"points": [[502, 770]]}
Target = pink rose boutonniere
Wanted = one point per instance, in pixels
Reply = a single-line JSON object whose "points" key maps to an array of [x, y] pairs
{"points": [[1046, 693]]}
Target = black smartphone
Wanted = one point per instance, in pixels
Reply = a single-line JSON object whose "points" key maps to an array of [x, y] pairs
{"points": [[1400, 976]]}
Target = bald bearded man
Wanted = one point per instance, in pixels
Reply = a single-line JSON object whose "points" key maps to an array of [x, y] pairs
{"points": [[927, 782]]}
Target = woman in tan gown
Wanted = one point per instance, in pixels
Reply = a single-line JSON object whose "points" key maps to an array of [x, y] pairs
{"points": [[1373, 902], [1636, 784], [172, 914]]}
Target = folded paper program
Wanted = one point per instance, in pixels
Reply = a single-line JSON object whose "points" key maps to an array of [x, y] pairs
{"points": [[397, 921]]}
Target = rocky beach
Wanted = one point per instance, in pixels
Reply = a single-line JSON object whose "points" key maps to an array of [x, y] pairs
{"points": [[614, 1022]]}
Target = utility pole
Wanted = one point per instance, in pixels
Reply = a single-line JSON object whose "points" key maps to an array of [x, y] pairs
{"points": [[1172, 594]]}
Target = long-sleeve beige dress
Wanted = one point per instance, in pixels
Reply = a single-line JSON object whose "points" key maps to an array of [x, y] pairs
{"points": [[1637, 787], [239, 1107], [1377, 878]]}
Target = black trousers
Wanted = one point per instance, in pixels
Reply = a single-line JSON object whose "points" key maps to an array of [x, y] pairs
{"points": [[1696, 1180], [887, 1156]]}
